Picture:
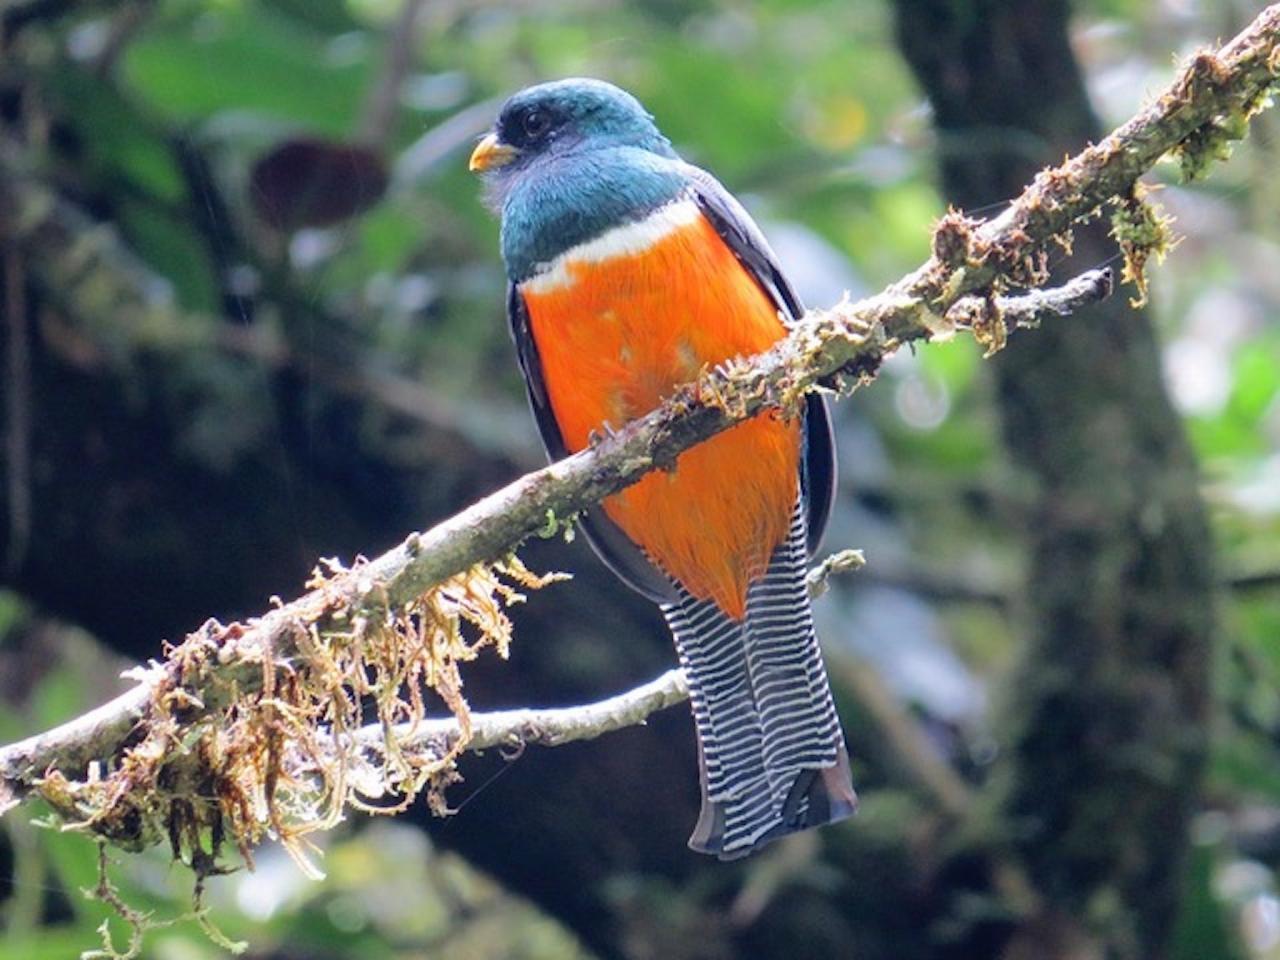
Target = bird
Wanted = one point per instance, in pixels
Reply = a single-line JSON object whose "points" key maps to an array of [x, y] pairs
{"points": [[630, 271]]}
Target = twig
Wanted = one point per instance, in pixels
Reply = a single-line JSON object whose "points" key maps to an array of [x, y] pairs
{"points": [[384, 97], [905, 741], [1260, 578], [959, 287], [1027, 310], [550, 727], [425, 154], [844, 561], [123, 27], [72, 745], [956, 586], [952, 586]]}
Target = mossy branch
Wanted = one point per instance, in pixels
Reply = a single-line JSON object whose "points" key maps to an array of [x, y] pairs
{"points": [[288, 684], [221, 665]]}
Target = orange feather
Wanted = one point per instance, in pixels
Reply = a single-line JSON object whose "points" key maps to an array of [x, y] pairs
{"points": [[615, 340]]}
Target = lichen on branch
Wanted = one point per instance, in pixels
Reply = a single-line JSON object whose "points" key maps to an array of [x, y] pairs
{"points": [[238, 762]]}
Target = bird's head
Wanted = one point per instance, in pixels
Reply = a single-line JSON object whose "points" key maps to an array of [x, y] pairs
{"points": [[563, 117]]}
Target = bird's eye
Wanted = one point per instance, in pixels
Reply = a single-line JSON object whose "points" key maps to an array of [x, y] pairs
{"points": [[535, 124]]}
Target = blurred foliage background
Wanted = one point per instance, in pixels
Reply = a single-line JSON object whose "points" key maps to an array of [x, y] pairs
{"points": [[253, 315]]}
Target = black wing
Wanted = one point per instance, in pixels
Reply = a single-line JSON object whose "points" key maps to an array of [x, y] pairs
{"points": [[613, 546], [743, 237]]}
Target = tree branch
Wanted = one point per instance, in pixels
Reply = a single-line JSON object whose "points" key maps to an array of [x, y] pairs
{"points": [[380, 106], [392, 580], [549, 727], [1028, 310], [74, 744], [961, 287]]}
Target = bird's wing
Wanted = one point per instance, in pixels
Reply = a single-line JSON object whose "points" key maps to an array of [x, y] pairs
{"points": [[613, 546], [818, 472], [743, 237]]}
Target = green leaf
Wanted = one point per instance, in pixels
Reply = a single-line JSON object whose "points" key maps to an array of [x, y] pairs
{"points": [[1257, 380], [173, 250], [119, 143], [1204, 928], [1245, 762], [249, 57]]}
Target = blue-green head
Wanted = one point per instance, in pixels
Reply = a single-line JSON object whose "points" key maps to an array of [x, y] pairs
{"points": [[566, 161]]}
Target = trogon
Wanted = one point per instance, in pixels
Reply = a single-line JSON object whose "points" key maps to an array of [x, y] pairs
{"points": [[630, 272]]}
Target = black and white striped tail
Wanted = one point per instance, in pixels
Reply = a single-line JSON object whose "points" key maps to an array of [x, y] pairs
{"points": [[772, 755]]}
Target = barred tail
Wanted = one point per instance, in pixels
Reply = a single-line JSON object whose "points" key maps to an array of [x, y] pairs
{"points": [[771, 752]]}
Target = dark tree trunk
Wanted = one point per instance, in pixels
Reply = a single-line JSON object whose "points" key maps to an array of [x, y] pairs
{"points": [[1107, 730]]}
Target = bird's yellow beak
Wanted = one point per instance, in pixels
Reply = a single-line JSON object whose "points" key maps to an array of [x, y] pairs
{"points": [[490, 154]]}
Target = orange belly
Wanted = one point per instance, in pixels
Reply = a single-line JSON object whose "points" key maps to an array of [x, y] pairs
{"points": [[615, 337]]}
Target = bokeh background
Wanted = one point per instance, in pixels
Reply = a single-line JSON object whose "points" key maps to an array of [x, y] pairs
{"points": [[253, 315]]}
